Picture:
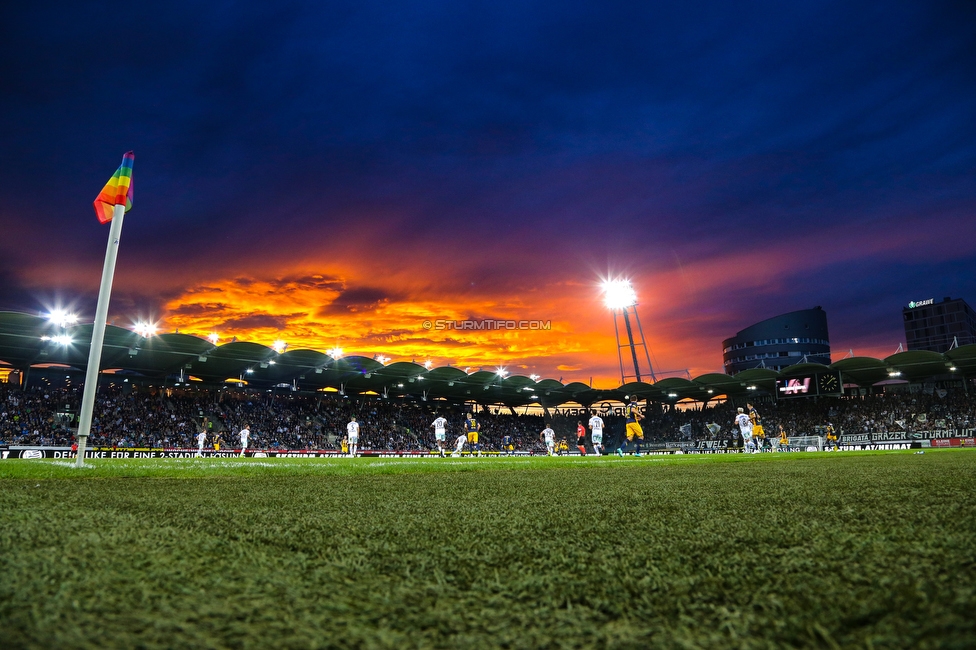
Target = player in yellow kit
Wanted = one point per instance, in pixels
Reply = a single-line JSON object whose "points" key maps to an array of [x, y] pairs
{"points": [[757, 429], [634, 429], [471, 429], [832, 437], [784, 441]]}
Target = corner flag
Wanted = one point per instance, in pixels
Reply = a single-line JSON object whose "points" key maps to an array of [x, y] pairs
{"points": [[118, 190], [112, 203]]}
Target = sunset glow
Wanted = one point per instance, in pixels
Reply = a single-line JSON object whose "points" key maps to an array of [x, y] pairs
{"points": [[442, 194]]}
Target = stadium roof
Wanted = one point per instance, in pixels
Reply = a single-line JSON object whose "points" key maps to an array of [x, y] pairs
{"points": [[27, 340]]}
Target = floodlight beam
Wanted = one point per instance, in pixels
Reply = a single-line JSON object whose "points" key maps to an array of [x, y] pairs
{"points": [[620, 296]]}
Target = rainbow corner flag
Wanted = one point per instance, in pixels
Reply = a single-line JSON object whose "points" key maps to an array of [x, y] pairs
{"points": [[117, 191]]}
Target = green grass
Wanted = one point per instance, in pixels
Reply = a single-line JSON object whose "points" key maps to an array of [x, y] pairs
{"points": [[810, 550]]}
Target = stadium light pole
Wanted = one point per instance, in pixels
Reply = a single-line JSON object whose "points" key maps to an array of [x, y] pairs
{"points": [[621, 298]]}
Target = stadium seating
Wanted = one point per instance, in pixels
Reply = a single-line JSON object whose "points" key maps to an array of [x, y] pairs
{"points": [[171, 418]]}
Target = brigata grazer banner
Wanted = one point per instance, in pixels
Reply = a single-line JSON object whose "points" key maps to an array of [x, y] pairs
{"points": [[904, 436]]}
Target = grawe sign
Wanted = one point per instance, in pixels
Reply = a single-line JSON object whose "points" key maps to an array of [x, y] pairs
{"points": [[920, 303]]}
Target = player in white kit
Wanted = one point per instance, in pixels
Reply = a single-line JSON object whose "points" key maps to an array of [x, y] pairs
{"points": [[201, 439], [596, 434], [459, 445], [352, 432], [549, 437], [245, 435], [745, 428], [440, 433]]}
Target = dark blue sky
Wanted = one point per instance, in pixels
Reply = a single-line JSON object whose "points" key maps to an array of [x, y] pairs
{"points": [[736, 161]]}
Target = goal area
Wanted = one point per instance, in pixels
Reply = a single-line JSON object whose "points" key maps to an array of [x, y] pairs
{"points": [[804, 443]]}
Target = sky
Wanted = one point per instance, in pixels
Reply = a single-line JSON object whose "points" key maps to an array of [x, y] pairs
{"points": [[333, 174]]}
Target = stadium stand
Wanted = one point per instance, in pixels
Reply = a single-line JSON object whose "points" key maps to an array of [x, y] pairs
{"points": [[170, 418]]}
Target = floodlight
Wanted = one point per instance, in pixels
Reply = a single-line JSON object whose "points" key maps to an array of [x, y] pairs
{"points": [[620, 298], [61, 318], [382, 359], [279, 346], [534, 377], [213, 337], [250, 371], [894, 373], [428, 363], [501, 372], [672, 395], [619, 294], [335, 352], [145, 330], [64, 339]]}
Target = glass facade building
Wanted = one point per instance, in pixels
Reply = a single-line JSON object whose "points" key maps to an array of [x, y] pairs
{"points": [[939, 326], [778, 342]]}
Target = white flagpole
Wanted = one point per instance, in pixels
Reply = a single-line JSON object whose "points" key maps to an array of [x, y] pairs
{"points": [[98, 333]]}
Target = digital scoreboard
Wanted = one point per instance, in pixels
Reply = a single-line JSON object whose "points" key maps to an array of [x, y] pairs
{"points": [[812, 385]]}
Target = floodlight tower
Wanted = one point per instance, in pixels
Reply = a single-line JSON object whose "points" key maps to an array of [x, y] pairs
{"points": [[621, 299]]}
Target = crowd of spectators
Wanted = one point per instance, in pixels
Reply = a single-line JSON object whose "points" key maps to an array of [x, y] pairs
{"points": [[911, 412], [171, 418]]}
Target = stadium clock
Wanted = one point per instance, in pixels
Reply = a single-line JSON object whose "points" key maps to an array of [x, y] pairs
{"points": [[828, 384], [821, 383]]}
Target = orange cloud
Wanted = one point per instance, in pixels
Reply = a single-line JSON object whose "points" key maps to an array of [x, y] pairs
{"points": [[322, 310]]}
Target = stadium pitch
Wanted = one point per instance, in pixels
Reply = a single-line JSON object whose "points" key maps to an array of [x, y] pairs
{"points": [[866, 549]]}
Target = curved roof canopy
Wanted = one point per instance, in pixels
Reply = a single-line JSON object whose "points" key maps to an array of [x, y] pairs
{"points": [[27, 340]]}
